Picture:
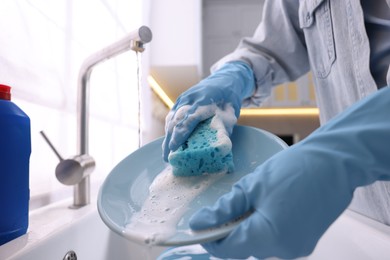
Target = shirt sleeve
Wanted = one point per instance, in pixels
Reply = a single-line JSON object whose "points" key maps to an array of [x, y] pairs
{"points": [[276, 52]]}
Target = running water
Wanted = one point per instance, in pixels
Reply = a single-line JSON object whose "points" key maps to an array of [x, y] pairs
{"points": [[139, 83]]}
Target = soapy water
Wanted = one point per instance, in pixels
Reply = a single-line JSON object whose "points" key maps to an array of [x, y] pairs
{"points": [[162, 211]]}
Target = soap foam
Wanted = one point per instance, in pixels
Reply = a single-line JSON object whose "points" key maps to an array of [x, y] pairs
{"points": [[225, 114], [168, 199], [208, 149]]}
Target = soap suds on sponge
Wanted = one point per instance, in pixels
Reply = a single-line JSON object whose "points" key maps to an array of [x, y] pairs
{"points": [[208, 150]]}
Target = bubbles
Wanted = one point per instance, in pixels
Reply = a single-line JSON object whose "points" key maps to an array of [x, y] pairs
{"points": [[163, 210]]}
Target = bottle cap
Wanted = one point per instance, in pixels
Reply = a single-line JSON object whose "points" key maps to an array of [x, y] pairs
{"points": [[5, 92]]}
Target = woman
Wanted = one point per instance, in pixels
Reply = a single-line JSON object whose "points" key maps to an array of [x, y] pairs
{"points": [[298, 193]]}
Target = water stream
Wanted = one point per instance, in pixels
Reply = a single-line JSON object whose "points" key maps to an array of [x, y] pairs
{"points": [[139, 84]]}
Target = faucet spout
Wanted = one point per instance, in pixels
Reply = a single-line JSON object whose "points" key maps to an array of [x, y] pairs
{"points": [[133, 41]]}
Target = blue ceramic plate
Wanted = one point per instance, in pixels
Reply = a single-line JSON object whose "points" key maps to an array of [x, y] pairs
{"points": [[126, 188]]}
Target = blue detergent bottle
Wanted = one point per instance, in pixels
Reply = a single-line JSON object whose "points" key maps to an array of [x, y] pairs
{"points": [[15, 150]]}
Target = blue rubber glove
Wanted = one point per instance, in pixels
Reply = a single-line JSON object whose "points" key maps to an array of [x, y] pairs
{"points": [[297, 194], [222, 92]]}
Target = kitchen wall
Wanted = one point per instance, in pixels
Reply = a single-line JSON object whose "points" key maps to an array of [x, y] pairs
{"points": [[42, 46]]}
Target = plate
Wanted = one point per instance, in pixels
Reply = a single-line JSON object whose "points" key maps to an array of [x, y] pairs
{"points": [[126, 194]]}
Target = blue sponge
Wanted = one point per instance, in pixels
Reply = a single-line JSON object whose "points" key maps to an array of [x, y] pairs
{"points": [[207, 150]]}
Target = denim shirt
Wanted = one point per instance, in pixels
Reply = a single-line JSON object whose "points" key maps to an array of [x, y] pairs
{"points": [[327, 37]]}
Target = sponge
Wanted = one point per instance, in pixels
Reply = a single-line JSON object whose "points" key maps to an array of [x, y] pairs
{"points": [[208, 150]]}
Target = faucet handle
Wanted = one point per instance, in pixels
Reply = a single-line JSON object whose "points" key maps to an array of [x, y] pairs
{"points": [[71, 171], [51, 145]]}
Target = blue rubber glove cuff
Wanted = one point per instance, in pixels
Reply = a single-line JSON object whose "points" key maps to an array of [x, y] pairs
{"points": [[297, 194], [224, 89]]}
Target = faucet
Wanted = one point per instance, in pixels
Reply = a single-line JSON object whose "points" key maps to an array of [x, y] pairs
{"points": [[76, 170], [134, 41]]}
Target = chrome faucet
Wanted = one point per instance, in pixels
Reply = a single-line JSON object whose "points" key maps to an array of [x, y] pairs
{"points": [[76, 170], [134, 41]]}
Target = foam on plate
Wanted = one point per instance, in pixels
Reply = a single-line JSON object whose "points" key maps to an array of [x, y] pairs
{"points": [[168, 199]]}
